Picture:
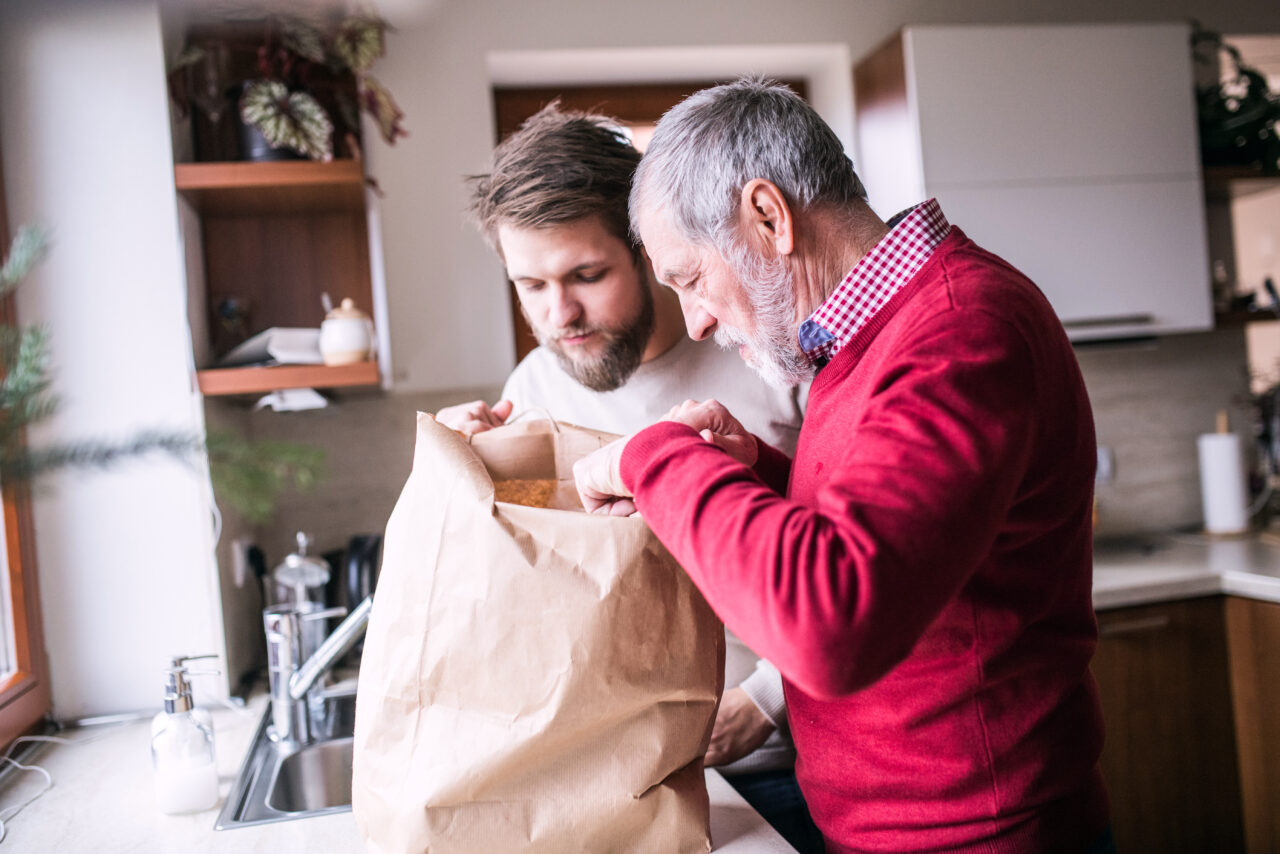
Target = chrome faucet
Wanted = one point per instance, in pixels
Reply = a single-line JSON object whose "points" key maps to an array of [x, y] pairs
{"points": [[295, 663]]}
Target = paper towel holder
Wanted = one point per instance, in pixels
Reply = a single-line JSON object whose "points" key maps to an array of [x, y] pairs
{"points": [[1224, 490]]}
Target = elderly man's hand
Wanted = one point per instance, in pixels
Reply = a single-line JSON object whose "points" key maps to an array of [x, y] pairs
{"points": [[475, 417], [599, 480], [740, 728], [715, 424]]}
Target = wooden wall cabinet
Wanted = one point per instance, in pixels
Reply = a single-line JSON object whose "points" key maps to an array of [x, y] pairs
{"points": [[1170, 755], [275, 237], [1070, 150]]}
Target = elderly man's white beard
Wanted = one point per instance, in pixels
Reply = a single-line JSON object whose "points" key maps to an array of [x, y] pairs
{"points": [[771, 293]]}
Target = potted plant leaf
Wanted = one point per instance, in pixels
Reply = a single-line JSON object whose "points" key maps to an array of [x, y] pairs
{"points": [[298, 83]]}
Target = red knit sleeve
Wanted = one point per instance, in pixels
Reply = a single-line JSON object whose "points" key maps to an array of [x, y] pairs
{"points": [[773, 467], [917, 480]]}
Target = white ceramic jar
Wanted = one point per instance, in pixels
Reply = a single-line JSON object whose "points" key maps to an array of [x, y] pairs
{"points": [[346, 335]]}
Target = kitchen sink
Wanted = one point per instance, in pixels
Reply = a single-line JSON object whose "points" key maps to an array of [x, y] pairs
{"points": [[313, 778], [281, 782]]}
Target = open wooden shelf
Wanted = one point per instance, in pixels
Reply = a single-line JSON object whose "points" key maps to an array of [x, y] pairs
{"points": [[1232, 182], [259, 380], [1223, 319], [279, 186]]}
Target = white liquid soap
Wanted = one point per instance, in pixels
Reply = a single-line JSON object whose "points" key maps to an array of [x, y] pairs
{"points": [[186, 774]]}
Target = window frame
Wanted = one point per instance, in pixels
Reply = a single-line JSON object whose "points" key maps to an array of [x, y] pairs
{"points": [[24, 693]]}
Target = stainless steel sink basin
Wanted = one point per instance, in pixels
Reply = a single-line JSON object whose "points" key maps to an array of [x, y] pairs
{"points": [[280, 782], [316, 777]]}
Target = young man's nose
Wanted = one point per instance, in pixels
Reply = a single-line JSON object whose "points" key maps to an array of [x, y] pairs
{"points": [[565, 310]]}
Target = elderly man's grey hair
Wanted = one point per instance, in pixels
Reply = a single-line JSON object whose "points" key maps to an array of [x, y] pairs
{"points": [[707, 147]]}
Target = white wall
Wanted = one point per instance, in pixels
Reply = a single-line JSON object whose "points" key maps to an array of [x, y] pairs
{"points": [[125, 557], [439, 68]]}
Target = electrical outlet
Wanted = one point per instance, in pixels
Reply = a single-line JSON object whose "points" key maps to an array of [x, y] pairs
{"points": [[1106, 465], [240, 561]]}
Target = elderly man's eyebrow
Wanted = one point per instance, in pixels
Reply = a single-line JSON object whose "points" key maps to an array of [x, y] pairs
{"points": [[668, 277]]}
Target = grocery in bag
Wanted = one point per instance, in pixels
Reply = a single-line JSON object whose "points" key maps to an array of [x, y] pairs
{"points": [[534, 678]]}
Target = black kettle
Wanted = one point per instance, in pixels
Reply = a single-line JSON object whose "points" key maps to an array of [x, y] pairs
{"points": [[360, 571]]}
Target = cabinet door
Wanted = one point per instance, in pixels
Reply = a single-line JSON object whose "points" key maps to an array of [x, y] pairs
{"points": [[1169, 758], [1035, 103], [1115, 260], [1072, 151], [1254, 634]]}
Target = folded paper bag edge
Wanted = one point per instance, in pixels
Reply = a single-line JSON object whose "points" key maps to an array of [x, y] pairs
{"points": [[452, 452]]}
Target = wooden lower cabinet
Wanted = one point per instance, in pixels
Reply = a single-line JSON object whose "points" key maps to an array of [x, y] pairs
{"points": [[1253, 635], [1170, 755]]}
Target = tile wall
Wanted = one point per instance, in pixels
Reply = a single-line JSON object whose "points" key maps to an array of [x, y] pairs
{"points": [[1150, 400]]}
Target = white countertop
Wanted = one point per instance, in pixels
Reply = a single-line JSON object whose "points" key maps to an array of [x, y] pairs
{"points": [[102, 801], [1162, 568]]}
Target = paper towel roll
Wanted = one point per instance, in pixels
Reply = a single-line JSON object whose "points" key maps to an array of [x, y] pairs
{"points": [[1223, 491]]}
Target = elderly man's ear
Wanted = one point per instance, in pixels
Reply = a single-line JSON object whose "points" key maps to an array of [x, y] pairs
{"points": [[765, 218]]}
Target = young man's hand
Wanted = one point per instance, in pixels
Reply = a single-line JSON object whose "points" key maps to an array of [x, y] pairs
{"points": [[599, 480], [740, 728], [475, 417]]}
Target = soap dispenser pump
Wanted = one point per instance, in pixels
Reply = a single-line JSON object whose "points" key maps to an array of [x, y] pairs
{"points": [[186, 775]]}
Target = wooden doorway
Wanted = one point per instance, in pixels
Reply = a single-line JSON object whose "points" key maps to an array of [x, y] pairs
{"points": [[636, 106]]}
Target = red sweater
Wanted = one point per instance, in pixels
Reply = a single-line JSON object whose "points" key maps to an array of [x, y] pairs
{"points": [[925, 585]]}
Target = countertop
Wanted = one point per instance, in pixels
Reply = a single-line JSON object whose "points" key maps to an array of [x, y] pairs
{"points": [[102, 802], [1162, 568]]}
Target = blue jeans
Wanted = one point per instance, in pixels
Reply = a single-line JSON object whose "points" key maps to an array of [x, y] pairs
{"points": [[776, 796], [1105, 844]]}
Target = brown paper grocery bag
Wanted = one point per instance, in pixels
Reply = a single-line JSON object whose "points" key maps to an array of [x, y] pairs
{"points": [[533, 679]]}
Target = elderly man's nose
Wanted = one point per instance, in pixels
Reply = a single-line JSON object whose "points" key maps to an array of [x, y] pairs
{"points": [[698, 321]]}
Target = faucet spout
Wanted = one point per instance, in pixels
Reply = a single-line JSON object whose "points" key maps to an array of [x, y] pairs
{"points": [[333, 648]]}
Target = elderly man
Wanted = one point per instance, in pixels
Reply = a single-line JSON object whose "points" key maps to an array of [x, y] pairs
{"points": [[613, 357], [921, 571]]}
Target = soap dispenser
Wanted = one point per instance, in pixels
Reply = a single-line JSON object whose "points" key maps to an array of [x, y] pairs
{"points": [[186, 775]]}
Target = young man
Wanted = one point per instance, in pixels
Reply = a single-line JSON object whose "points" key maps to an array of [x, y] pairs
{"points": [[921, 571], [613, 356]]}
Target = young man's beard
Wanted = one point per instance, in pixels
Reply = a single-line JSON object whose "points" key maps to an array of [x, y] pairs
{"points": [[770, 290], [623, 349]]}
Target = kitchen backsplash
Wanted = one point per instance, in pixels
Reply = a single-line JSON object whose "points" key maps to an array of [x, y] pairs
{"points": [[368, 441], [1150, 402]]}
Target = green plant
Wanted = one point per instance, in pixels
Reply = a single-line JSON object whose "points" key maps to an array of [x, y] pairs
{"points": [[306, 70], [249, 476], [1239, 116]]}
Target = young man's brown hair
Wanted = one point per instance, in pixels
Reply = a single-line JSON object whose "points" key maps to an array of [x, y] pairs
{"points": [[560, 166]]}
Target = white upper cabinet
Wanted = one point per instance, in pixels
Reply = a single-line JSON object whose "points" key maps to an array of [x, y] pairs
{"points": [[1069, 150]]}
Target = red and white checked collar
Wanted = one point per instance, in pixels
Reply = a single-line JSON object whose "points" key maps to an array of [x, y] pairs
{"points": [[877, 276]]}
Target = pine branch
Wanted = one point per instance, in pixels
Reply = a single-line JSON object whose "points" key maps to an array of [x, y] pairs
{"points": [[25, 252], [249, 476], [29, 463]]}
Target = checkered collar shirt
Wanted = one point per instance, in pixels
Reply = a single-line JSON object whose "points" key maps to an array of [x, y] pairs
{"points": [[877, 276]]}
